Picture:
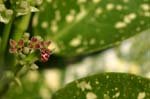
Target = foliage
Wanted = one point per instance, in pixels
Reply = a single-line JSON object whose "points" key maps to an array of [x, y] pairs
{"points": [[67, 29], [79, 27], [106, 86]]}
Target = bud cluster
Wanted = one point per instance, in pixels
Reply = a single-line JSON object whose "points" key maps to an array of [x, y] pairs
{"points": [[23, 7], [19, 7], [5, 14], [24, 47]]}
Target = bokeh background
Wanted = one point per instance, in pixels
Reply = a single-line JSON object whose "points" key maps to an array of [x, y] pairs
{"points": [[131, 56]]}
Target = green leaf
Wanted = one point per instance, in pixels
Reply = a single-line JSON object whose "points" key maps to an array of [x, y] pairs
{"points": [[107, 86], [85, 26]]}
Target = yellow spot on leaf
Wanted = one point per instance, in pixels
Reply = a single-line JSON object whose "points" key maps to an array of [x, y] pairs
{"points": [[109, 6], [91, 95], [120, 25], [141, 95], [84, 85], [76, 41]]}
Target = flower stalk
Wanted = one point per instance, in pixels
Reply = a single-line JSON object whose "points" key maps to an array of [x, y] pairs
{"points": [[24, 51], [21, 26], [5, 38]]}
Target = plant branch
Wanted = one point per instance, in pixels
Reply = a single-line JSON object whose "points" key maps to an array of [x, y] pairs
{"points": [[8, 81], [5, 38], [21, 26]]}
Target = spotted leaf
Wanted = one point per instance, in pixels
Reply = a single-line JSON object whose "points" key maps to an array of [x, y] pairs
{"points": [[106, 86], [85, 26]]}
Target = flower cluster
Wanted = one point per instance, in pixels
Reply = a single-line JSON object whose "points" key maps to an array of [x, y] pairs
{"points": [[5, 14], [23, 7], [25, 47], [20, 7]]}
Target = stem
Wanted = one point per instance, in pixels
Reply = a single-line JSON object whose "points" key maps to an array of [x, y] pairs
{"points": [[5, 38], [8, 81], [21, 26], [5, 89], [18, 71]]}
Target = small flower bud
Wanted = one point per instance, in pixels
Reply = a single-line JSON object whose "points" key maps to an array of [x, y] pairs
{"points": [[26, 37], [39, 2], [34, 67], [22, 55], [22, 8], [9, 12], [33, 39], [37, 46], [12, 50], [24, 4], [21, 43], [41, 44], [47, 43], [39, 38], [26, 50], [12, 43]]}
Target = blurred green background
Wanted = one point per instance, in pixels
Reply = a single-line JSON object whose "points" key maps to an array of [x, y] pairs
{"points": [[87, 38], [43, 83]]}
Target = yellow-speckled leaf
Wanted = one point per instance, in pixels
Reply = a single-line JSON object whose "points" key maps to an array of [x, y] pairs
{"points": [[85, 26], [107, 86]]}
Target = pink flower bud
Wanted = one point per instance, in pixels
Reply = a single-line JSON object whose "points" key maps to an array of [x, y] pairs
{"points": [[37, 46], [13, 50], [21, 43], [47, 43], [41, 43], [45, 54], [33, 39], [12, 43]]}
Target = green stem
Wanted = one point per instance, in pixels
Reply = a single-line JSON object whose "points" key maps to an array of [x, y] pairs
{"points": [[21, 26], [5, 38], [5, 89], [7, 83]]}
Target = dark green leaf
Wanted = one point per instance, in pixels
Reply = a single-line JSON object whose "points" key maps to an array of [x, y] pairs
{"points": [[84, 26], [107, 86]]}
